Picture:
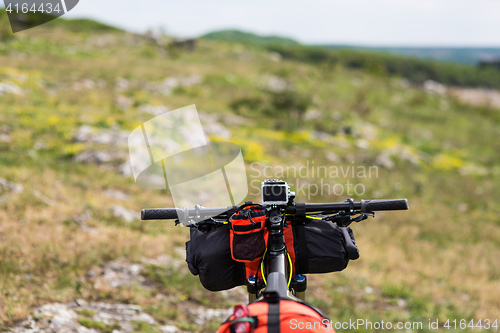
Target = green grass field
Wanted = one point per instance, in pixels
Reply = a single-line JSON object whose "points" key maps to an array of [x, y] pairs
{"points": [[439, 260]]}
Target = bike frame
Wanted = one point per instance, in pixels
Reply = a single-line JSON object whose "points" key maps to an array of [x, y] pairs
{"points": [[276, 258], [276, 277]]}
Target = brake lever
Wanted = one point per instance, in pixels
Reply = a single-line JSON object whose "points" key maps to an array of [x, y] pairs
{"points": [[344, 219], [341, 218], [362, 216]]}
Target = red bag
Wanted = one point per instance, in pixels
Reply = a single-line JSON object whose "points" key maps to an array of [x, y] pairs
{"points": [[252, 267], [249, 235], [283, 316]]}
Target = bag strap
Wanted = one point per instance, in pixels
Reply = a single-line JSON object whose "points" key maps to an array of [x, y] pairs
{"points": [[350, 244], [245, 228], [273, 318], [292, 298], [301, 254], [245, 211], [300, 213], [249, 204]]}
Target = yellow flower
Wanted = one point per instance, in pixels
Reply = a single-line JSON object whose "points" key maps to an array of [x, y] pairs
{"points": [[445, 161], [53, 120]]}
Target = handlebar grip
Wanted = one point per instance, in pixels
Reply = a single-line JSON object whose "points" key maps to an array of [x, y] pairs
{"points": [[159, 214], [378, 205]]}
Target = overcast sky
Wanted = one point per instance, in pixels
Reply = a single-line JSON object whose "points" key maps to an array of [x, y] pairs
{"points": [[366, 22]]}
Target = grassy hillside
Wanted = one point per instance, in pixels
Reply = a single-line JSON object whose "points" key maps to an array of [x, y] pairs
{"points": [[61, 189]]}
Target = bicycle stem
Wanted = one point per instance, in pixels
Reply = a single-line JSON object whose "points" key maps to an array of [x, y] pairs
{"points": [[276, 280]]}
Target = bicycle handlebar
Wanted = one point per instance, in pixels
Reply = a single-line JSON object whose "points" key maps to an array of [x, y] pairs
{"points": [[379, 205], [159, 214], [363, 206], [184, 213], [200, 212]]}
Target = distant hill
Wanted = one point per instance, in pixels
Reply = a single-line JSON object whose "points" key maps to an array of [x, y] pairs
{"points": [[249, 38], [457, 66], [83, 25], [75, 25], [460, 55], [463, 55]]}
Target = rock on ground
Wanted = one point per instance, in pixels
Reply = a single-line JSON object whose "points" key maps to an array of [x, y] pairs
{"points": [[112, 137], [120, 272], [73, 317], [167, 86], [9, 88], [276, 84], [126, 214], [477, 96], [201, 315], [98, 157], [82, 317], [8, 188]]}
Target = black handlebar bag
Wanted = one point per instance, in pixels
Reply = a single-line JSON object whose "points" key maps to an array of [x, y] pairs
{"points": [[322, 246], [208, 254]]}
